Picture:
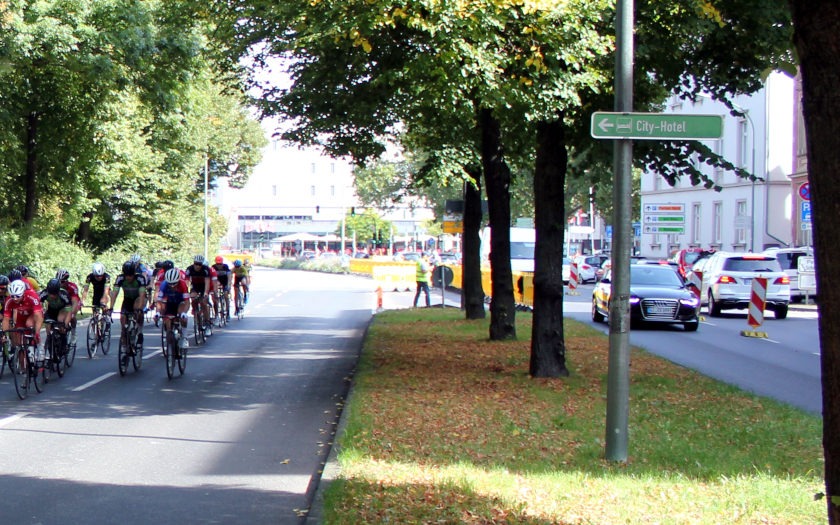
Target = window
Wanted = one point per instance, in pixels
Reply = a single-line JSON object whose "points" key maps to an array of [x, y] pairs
{"points": [[274, 190], [332, 191], [657, 182], [312, 190], [743, 148], [741, 222], [313, 168], [717, 212], [332, 167], [717, 147], [695, 223]]}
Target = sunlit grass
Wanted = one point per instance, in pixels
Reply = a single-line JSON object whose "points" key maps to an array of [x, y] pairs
{"points": [[445, 426]]}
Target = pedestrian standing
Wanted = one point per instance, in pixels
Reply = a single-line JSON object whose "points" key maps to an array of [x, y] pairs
{"points": [[423, 276]]}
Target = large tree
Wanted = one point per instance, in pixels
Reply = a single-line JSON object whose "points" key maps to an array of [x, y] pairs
{"points": [[817, 24]]}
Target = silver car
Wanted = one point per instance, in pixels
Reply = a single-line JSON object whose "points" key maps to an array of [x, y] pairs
{"points": [[729, 277]]}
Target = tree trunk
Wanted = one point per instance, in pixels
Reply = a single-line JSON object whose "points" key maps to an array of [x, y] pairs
{"points": [[548, 345], [817, 24], [473, 293], [83, 232], [30, 205], [497, 185]]}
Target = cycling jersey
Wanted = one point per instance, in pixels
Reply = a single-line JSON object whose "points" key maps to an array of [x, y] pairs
{"points": [[240, 274], [3, 299], [131, 290], [33, 283], [55, 303], [99, 284], [222, 273], [172, 295], [22, 310], [198, 276], [71, 289]]}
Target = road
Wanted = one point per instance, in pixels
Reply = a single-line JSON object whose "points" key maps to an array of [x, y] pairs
{"points": [[785, 366], [239, 438]]}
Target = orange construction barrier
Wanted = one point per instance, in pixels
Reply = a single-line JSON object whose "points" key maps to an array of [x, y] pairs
{"points": [[755, 311]]}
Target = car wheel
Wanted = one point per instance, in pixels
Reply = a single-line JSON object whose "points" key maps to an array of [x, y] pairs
{"points": [[691, 327], [714, 306], [781, 311], [597, 316]]}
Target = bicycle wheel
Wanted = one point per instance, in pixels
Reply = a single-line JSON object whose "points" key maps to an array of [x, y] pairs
{"points": [[182, 360], [21, 372], [198, 323], [40, 372], [105, 336], [137, 358], [169, 353], [92, 337], [122, 353], [240, 307], [70, 355], [4, 360], [54, 354]]}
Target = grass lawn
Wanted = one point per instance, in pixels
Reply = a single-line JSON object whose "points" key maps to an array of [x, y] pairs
{"points": [[445, 426]]}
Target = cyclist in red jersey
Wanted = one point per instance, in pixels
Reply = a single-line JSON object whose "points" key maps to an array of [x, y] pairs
{"points": [[23, 310]]}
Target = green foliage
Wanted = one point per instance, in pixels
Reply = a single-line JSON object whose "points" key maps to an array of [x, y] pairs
{"points": [[368, 225]]}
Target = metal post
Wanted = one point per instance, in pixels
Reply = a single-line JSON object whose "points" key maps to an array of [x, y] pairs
{"points": [[206, 218], [618, 373]]}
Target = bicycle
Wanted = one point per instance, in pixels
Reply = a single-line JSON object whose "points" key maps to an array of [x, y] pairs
{"points": [[199, 322], [24, 365], [5, 354], [239, 302], [55, 347], [172, 352], [131, 345], [220, 318], [98, 332]]}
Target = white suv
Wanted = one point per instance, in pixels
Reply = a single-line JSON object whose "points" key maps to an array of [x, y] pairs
{"points": [[789, 259], [730, 278]]}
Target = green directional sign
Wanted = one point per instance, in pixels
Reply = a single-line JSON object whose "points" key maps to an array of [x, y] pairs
{"points": [[655, 126], [655, 228]]}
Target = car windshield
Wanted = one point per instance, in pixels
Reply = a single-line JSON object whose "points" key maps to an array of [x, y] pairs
{"points": [[752, 264], [522, 250], [788, 260], [654, 275], [691, 257]]}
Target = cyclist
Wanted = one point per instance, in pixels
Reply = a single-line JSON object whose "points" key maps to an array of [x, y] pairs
{"points": [[33, 282], [173, 298], [223, 284], [201, 279], [72, 290], [4, 292], [100, 280], [23, 310], [142, 269], [15, 275], [241, 277], [133, 286], [59, 304]]}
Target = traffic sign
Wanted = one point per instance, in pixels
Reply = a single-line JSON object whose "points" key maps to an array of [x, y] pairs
{"points": [[805, 191], [656, 228], [806, 211], [670, 219], [655, 126], [664, 208]]}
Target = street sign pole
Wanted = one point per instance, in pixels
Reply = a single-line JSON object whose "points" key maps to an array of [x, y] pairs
{"points": [[618, 371]]}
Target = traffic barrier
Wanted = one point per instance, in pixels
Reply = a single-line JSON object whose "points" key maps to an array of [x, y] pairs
{"points": [[573, 279], [378, 298], [755, 312], [695, 284], [396, 276]]}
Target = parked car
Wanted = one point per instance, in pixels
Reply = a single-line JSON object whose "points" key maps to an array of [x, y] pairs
{"points": [[657, 295], [586, 265], [450, 258], [567, 269], [729, 278], [306, 255], [685, 259], [789, 260]]}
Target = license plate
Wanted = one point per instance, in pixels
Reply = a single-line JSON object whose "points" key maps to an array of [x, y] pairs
{"points": [[747, 280], [659, 310]]}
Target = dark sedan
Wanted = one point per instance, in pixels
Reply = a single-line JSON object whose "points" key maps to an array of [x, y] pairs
{"points": [[657, 295]]}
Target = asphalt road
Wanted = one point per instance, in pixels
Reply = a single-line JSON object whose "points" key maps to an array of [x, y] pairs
{"points": [[240, 438], [785, 366]]}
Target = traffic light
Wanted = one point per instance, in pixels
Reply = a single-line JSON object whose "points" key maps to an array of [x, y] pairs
{"points": [[353, 211]]}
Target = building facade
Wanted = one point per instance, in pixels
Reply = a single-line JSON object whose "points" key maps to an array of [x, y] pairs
{"points": [[745, 215]]}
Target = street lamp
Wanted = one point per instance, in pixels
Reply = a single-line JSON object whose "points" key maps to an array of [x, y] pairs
{"points": [[206, 218]]}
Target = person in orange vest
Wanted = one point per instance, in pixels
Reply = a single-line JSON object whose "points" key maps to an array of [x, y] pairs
{"points": [[423, 276]]}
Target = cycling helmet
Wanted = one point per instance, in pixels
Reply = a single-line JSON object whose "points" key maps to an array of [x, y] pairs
{"points": [[172, 276], [134, 259], [168, 265], [237, 263], [15, 275], [4, 281], [219, 259], [158, 265], [16, 289], [128, 268], [62, 275], [198, 259], [23, 269], [53, 286], [98, 269]]}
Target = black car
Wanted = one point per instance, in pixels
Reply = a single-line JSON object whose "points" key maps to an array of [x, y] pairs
{"points": [[657, 295]]}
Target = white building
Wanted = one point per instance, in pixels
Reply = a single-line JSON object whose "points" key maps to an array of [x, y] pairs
{"points": [[745, 215], [299, 191]]}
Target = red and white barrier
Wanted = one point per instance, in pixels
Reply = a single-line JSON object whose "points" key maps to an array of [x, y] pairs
{"points": [[755, 314], [695, 283], [573, 278]]}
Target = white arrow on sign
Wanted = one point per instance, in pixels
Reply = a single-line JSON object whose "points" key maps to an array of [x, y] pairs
{"points": [[605, 125]]}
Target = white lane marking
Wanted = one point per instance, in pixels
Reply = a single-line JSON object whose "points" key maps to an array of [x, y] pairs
{"points": [[95, 381], [769, 340], [11, 419], [149, 356]]}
